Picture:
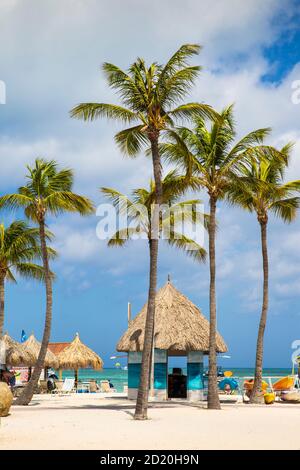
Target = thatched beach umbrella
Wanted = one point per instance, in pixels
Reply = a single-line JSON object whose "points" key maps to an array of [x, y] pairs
{"points": [[16, 354], [78, 356], [33, 346], [180, 327]]}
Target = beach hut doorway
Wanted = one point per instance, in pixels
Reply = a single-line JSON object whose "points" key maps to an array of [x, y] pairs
{"points": [[177, 376]]}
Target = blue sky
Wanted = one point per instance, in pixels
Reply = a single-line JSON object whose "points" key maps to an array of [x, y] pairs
{"points": [[51, 53]]}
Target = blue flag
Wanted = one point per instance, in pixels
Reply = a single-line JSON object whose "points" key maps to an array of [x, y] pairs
{"points": [[23, 336]]}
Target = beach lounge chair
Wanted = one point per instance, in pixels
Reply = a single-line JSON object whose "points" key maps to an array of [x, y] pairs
{"points": [[93, 386], [105, 387], [43, 386], [67, 387], [59, 385]]}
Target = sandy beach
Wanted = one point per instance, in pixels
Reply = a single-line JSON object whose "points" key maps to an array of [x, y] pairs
{"points": [[95, 422]]}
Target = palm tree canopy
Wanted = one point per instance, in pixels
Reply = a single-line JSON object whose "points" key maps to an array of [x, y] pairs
{"points": [[260, 185], [173, 212], [47, 190], [19, 248], [209, 150], [150, 97]]}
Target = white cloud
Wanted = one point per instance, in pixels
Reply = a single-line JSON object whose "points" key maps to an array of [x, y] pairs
{"points": [[289, 289], [76, 244], [50, 61], [95, 163]]}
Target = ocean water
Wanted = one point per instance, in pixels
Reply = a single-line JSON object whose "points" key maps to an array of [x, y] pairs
{"points": [[119, 377]]}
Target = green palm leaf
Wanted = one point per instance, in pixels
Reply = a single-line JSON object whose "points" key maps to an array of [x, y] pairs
{"points": [[189, 246], [131, 141], [139, 222], [92, 111], [32, 271]]}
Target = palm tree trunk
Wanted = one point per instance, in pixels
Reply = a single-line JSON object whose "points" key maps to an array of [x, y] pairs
{"points": [[143, 391], [28, 392], [257, 387], [2, 298], [213, 396]]}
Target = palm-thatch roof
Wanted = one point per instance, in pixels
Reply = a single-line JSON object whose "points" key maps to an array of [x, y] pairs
{"points": [[78, 356], [56, 348], [33, 346], [180, 327], [16, 353]]}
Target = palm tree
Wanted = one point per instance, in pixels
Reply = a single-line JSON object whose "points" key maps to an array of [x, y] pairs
{"points": [[48, 191], [149, 97], [260, 188], [19, 248], [210, 154]]}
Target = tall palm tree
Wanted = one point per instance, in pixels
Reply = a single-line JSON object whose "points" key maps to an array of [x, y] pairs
{"points": [[19, 248], [260, 188], [48, 191], [209, 153], [149, 97]]}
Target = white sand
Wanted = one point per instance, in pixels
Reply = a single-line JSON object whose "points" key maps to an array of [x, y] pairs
{"points": [[94, 422]]}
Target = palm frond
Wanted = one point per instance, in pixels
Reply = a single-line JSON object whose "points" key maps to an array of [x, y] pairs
{"points": [[14, 201], [131, 141], [189, 246], [129, 86], [176, 86], [92, 111], [184, 216], [10, 277], [32, 271], [248, 141], [179, 59], [189, 111], [122, 236], [290, 186], [120, 201], [286, 209], [61, 201]]}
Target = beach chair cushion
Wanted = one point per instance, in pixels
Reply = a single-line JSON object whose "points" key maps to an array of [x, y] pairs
{"points": [[104, 384], [68, 385]]}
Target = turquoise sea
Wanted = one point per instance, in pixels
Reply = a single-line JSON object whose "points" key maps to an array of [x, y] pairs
{"points": [[119, 377]]}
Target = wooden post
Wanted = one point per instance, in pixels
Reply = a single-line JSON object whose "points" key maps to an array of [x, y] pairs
{"points": [[76, 378], [129, 320], [129, 313], [59, 374], [152, 372]]}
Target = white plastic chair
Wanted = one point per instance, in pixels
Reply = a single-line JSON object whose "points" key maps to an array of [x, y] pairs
{"points": [[67, 387]]}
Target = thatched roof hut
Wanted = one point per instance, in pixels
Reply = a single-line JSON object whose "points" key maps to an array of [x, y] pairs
{"points": [[78, 356], [180, 327], [16, 353], [33, 346]]}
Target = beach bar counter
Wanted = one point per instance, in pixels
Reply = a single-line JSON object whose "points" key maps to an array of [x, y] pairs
{"points": [[180, 330]]}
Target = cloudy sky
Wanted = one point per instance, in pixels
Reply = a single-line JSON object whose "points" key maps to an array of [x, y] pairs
{"points": [[51, 53]]}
